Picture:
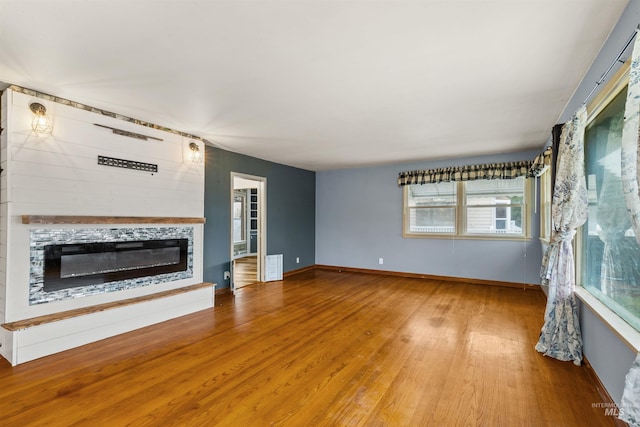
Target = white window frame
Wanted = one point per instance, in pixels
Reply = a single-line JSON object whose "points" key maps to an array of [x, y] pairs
{"points": [[460, 231]]}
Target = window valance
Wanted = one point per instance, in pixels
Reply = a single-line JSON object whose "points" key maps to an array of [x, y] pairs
{"points": [[509, 170]]}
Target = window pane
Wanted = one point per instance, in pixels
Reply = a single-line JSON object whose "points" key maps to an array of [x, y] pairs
{"points": [[237, 230], [610, 254], [238, 218], [545, 205], [440, 194], [496, 191], [498, 220], [495, 206], [516, 217], [432, 220], [237, 209]]}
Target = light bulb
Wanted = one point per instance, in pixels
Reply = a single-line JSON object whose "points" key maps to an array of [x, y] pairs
{"points": [[196, 156], [40, 123]]}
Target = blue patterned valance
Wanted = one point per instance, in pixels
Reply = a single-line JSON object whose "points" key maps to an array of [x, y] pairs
{"points": [[509, 170]]}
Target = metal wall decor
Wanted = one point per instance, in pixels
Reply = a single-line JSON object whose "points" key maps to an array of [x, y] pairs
{"points": [[127, 164]]}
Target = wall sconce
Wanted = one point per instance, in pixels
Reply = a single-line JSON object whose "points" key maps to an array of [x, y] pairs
{"points": [[41, 124], [196, 156]]}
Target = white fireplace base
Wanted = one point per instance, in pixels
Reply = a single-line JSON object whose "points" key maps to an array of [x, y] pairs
{"points": [[33, 342]]}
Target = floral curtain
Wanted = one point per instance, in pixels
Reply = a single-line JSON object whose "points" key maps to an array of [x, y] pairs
{"points": [[560, 337], [509, 170], [630, 163]]}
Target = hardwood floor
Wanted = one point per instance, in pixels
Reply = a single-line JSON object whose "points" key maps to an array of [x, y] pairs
{"points": [[322, 348], [245, 271]]}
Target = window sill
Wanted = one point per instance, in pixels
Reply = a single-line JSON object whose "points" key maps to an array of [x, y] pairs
{"points": [[627, 333], [466, 237]]}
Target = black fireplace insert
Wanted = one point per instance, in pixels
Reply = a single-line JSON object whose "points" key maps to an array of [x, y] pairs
{"points": [[83, 264]]}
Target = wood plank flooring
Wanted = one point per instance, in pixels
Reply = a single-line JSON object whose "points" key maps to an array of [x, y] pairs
{"points": [[321, 348], [245, 271]]}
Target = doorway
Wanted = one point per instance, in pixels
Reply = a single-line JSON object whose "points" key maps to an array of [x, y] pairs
{"points": [[248, 229]]}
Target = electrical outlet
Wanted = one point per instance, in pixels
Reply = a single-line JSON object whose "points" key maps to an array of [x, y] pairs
{"points": [[298, 260], [380, 261], [227, 275]]}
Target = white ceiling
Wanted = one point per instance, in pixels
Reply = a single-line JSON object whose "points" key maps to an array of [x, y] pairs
{"points": [[316, 84]]}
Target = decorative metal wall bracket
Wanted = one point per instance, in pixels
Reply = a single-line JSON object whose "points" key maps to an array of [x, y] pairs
{"points": [[129, 134]]}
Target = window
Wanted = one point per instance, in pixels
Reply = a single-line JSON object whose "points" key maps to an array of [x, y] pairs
{"points": [[482, 208], [238, 218], [431, 208], [608, 252], [495, 206], [545, 205]]}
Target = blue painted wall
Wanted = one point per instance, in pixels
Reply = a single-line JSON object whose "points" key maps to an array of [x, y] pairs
{"points": [[609, 356], [359, 220], [290, 211]]}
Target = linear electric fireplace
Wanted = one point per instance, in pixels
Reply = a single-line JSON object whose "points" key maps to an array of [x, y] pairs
{"points": [[83, 264]]}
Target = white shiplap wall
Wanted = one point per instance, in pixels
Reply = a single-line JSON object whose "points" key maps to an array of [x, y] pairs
{"points": [[59, 175]]}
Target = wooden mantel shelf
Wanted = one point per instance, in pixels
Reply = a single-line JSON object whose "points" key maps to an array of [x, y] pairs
{"points": [[70, 219]]}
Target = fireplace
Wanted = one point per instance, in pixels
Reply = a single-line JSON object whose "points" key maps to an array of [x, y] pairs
{"points": [[70, 263], [83, 264]]}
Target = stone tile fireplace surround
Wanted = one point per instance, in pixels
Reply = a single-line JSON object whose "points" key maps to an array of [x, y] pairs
{"points": [[41, 238]]}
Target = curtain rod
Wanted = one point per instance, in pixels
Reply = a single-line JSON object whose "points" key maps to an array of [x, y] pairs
{"points": [[615, 61]]}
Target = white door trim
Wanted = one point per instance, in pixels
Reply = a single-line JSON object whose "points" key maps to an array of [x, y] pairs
{"points": [[262, 219]]}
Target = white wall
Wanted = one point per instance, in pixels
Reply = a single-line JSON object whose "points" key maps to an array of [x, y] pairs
{"points": [[59, 175]]}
